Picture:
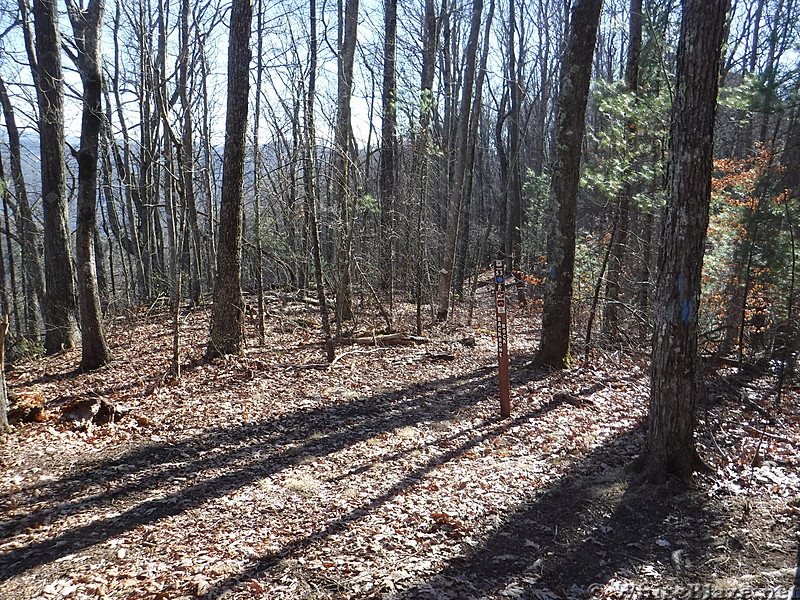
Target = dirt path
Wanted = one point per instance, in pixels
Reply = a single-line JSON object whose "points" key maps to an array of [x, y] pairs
{"points": [[387, 476]]}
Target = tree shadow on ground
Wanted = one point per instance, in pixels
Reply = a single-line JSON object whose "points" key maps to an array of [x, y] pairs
{"points": [[592, 528], [262, 566], [157, 481]]}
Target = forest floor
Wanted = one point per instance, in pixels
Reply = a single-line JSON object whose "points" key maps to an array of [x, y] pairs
{"points": [[388, 474]]}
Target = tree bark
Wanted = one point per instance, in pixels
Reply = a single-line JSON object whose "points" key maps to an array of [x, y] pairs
{"points": [[342, 159], [554, 346], [59, 305], [227, 317], [675, 371], [87, 28]]}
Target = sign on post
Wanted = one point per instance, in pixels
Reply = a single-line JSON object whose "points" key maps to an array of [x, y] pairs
{"points": [[502, 338]]}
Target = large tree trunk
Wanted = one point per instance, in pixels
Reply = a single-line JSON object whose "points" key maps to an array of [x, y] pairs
{"points": [[227, 318], [675, 376], [554, 346], [59, 304], [87, 27]]}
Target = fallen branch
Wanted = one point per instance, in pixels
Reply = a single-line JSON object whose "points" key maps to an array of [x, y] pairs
{"points": [[343, 354], [389, 339], [290, 365], [767, 434]]}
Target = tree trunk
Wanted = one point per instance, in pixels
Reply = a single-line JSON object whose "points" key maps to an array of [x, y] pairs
{"points": [[460, 166], [4, 303], [388, 176], [309, 148], [554, 346], [130, 238], [259, 252], [516, 214], [208, 178], [227, 318], [421, 158], [675, 372], [87, 28], [59, 304], [191, 243], [342, 162], [465, 219]]}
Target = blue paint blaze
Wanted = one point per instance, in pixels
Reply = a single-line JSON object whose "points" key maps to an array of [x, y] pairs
{"points": [[686, 311], [553, 271], [681, 283]]}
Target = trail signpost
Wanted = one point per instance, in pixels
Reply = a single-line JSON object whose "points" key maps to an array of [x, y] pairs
{"points": [[502, 338]]}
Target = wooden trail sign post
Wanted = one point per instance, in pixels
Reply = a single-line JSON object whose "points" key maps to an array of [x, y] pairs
{"points": [[502, 338]]}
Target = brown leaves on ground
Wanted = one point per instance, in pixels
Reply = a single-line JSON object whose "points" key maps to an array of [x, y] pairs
{"points": [[386, 475]]}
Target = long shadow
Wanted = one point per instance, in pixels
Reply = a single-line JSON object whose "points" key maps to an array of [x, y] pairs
{"points": [[54, 377], [578, 535], [261, 566], [158, 462], [282, 429], [245, 454]]}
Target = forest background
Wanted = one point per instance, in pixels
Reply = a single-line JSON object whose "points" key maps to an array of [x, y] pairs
{"points": [[442, 164]]}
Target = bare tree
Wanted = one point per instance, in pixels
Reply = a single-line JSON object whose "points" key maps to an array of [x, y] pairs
{"points": [[259, 251], [516, 215], [460, 166], [191, 247], [87, 27], [227, 317], [308, 180], [342, 160], [388, 173], [59, 305], [554, 346], [33, 286]]}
